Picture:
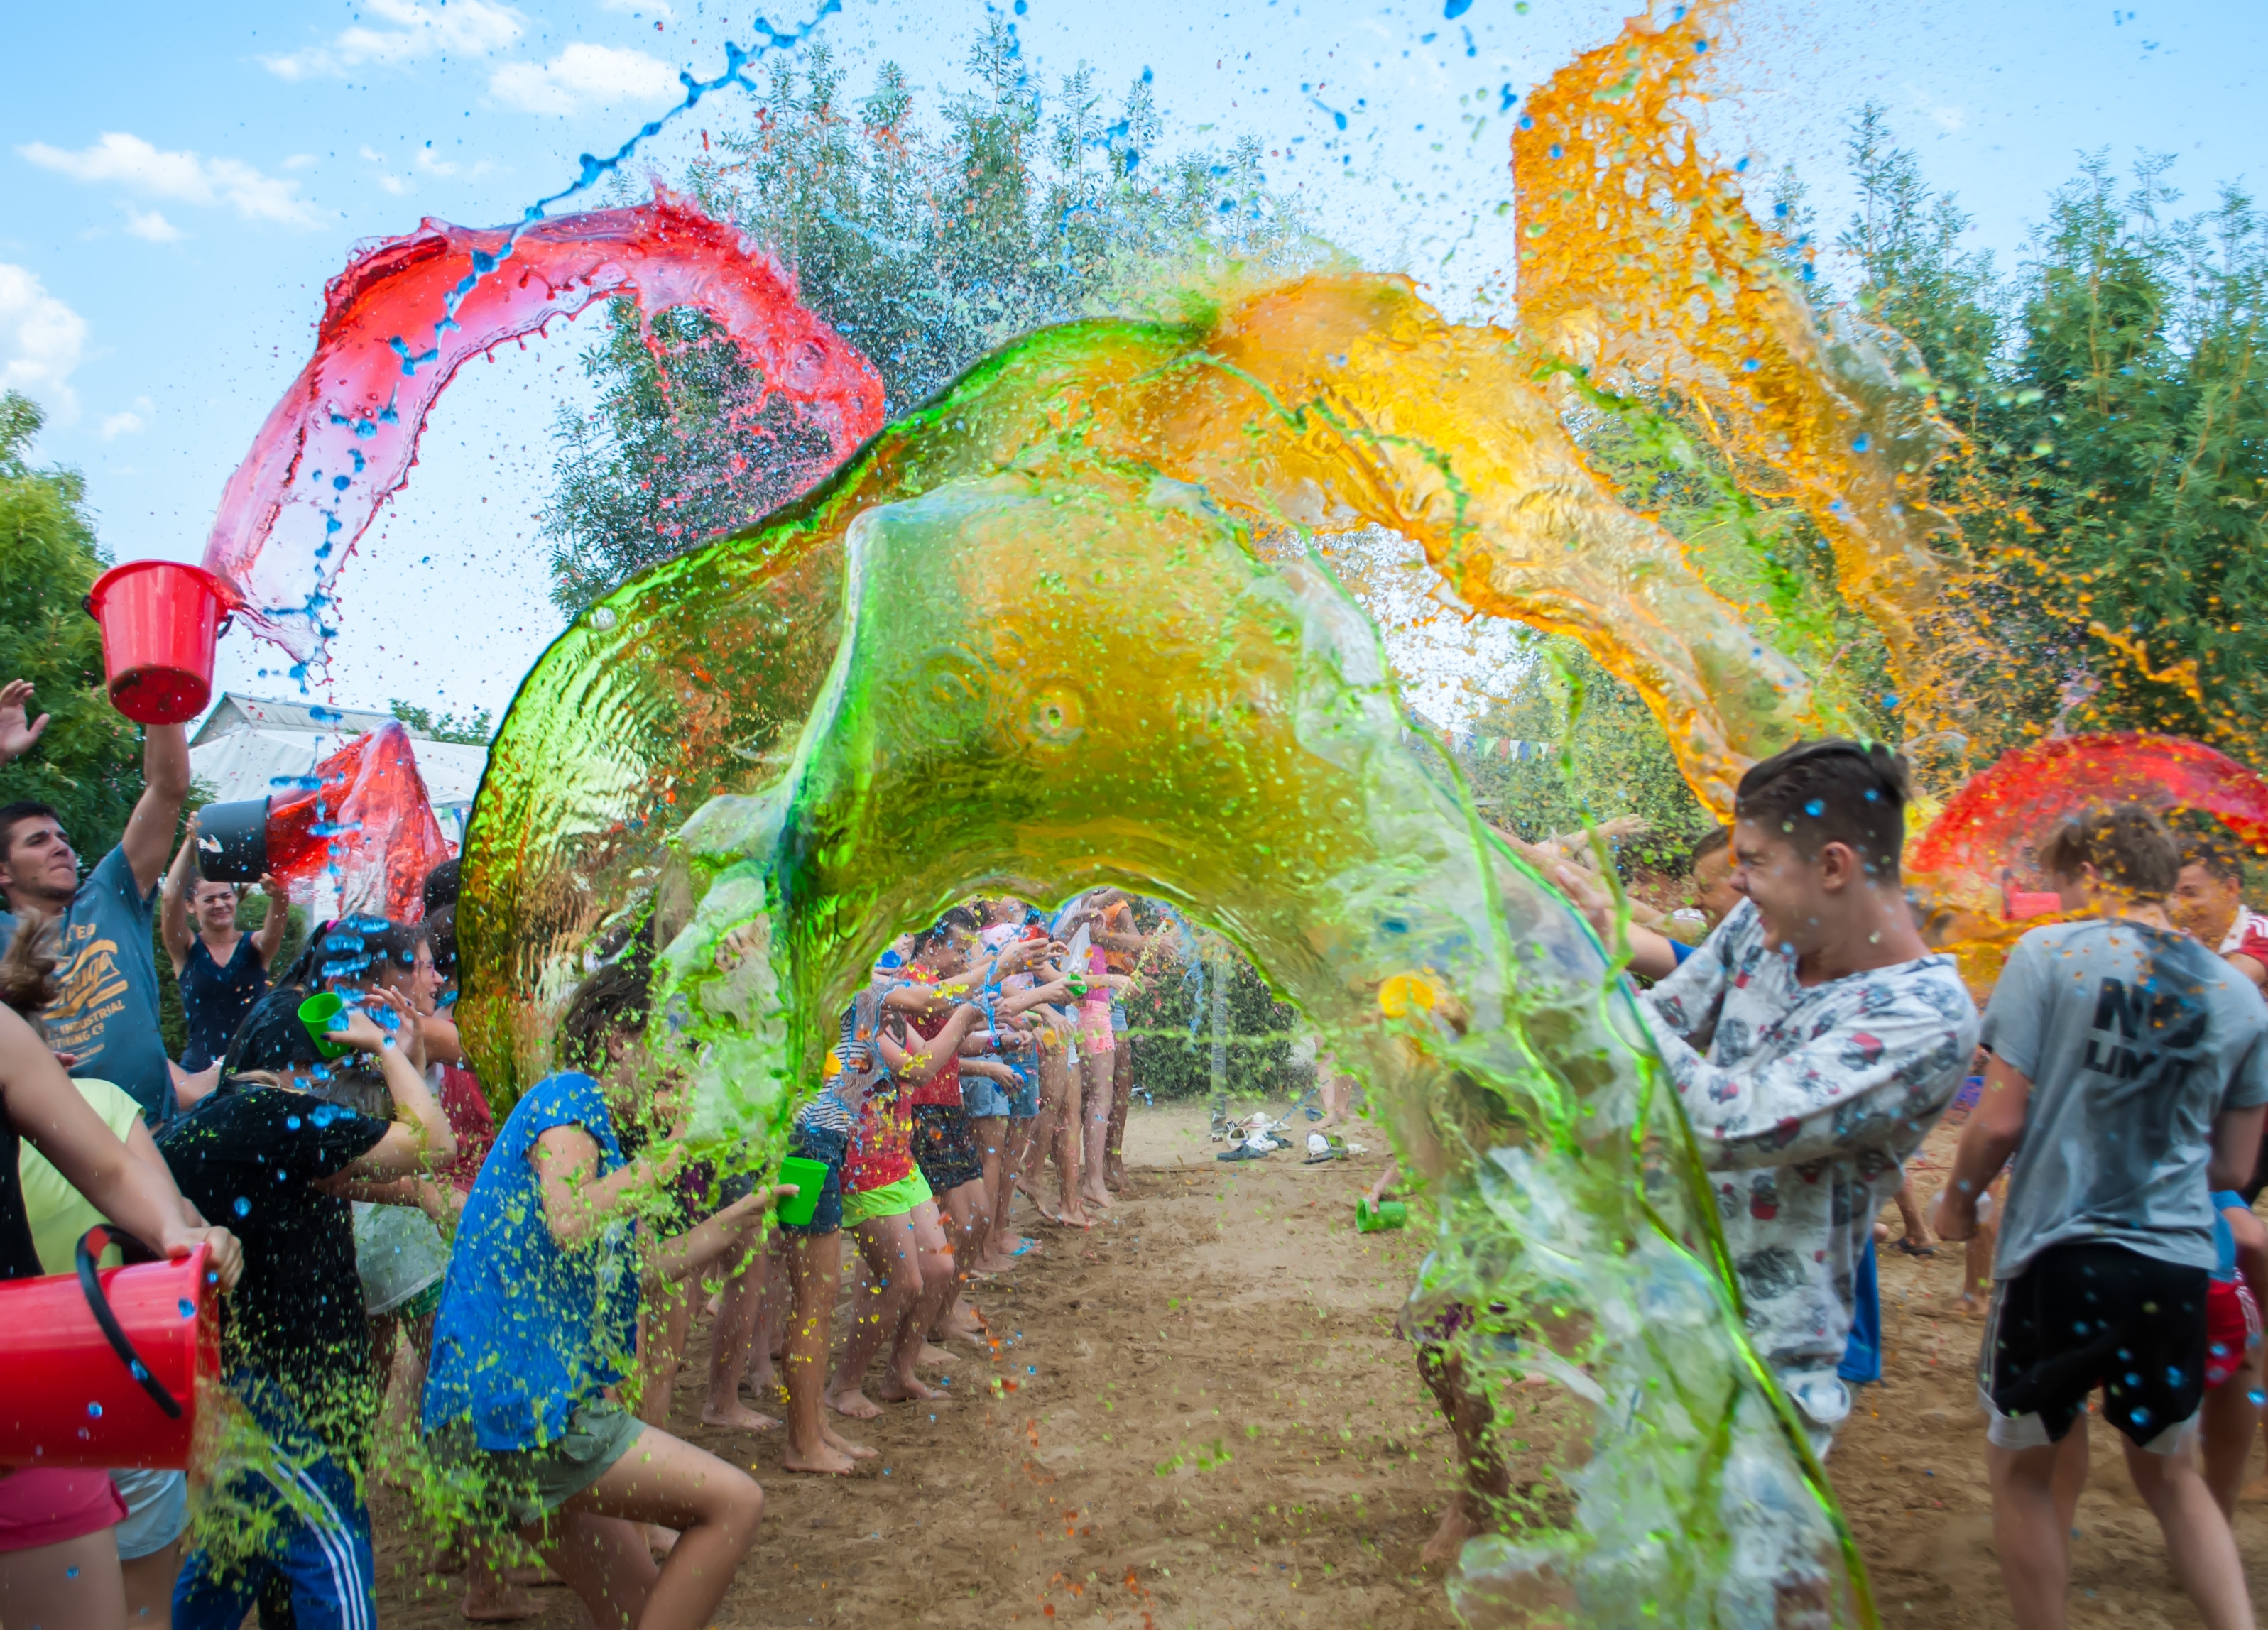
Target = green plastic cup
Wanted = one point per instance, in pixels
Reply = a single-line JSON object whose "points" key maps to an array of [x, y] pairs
{"points": [[1387, 1213], [809, 1178], [316, 1013]]}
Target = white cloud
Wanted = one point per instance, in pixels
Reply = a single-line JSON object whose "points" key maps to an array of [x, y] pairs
{"points": [[464, 25], [128, 423], [183, 176], [584, 75], [640, 8], [392, 183], [40, 339], [151, 225]]}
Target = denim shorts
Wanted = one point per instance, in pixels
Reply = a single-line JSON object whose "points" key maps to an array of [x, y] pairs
{"points": [[1024, 1102], [981, 1097], [821, 1143]]}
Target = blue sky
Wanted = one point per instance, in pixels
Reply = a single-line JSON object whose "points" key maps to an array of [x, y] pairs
{"points": [[177, 183]]}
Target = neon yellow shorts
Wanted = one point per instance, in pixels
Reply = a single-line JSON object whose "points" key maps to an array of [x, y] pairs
{"points": [[887, 1200]]}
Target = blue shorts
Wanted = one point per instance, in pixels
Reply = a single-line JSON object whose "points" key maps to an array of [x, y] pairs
{"points": [[316, 1537], [1118, 1018], [821, 1143], [1024, 1102], [981, 1096]]}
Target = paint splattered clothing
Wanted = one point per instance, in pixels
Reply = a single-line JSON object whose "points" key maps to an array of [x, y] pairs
{"points": [[1805, 1101]]}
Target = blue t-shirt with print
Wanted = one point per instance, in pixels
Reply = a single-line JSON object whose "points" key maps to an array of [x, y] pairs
{"points": [[528, 1329], [107, 1013]]}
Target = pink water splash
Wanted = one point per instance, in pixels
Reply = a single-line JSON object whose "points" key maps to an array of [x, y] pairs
{"points": [[1986, 834], [407, 311]]}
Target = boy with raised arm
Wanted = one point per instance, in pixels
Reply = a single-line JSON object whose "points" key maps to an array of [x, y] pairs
{"points": [[2127, 1080], [1814, 1040]]}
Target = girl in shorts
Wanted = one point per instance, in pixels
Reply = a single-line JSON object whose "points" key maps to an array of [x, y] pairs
{"points": [[537, 1328]]}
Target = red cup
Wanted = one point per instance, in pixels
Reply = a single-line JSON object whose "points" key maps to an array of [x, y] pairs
{"points": [[68, 1396], [159, 621]]}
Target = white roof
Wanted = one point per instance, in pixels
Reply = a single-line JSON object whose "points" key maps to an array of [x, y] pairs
{"points": [[246, 763]]}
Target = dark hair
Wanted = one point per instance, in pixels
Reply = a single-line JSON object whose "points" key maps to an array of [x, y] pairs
{"points": [[2219, 854], [440, 926], [13, 815], [272, 1037], [615, 1000], [959, 920], [1834, 792], [27, 969], [351, 947], [441, 885], [1707, 844], [2126, 843]]}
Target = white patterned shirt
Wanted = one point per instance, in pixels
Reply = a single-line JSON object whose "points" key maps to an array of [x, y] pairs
{"points": [[1805, 1104]]}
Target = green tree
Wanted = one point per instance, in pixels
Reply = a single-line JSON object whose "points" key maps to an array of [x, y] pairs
{"points": [[88, 764], [926, 250], [476, 729]]}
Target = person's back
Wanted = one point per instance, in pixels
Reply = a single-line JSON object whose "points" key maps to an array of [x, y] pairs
{"points": [[2133, 1037]]}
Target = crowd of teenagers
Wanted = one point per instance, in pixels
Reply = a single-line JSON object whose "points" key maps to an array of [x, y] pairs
{"points": [[508, 1306]]}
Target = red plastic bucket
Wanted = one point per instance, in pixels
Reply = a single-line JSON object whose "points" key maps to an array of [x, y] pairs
{"points": [[70, 1396], [159, 619]]}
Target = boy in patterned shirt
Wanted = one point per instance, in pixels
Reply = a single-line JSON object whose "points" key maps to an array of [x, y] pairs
{"points": [[1813, 1040]]}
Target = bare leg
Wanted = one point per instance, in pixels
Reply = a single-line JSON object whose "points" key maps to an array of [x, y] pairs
{"points": [[75, 1583], [729, 1340], [1094, 1125], [894, 1265], [664, 1482], [664, 1323], [938, 1282], [2197, 1540], [1918, 1237], [1486, 1477], [815, 1269], [2229, 1418], [2029, 1533], [990, 1252], [970, 1222], [490, 1597], [149, 1583], [1059, 1114], [1122, 1099]]}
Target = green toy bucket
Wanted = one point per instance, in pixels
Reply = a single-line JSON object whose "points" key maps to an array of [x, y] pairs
{"points": [[1387, 1213], [809, 1178]]}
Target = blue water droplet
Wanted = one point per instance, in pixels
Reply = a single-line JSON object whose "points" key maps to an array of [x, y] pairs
{"points": [[2173, 1376], [2140, 1417], [95, 1411], [2258, 1397], [1750, 364], [70, 1573], [1816, 808], [188, 1309], [292, 1121], [243, 1207]]}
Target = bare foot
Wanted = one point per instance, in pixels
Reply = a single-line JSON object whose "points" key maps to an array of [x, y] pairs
{"points": [[1448, 1539], [738, 1417], [761, 1378], [964, 1328], [996, 1264], [854, 1403], [933, 1356], [843, 1446], [1099, 1199], [1072, 1219], [825, 1458], [1115, 1179], [489, 1603], [897, 1389]]}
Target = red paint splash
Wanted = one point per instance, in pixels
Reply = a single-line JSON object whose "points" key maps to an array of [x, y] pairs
{"points": [[408, 311], [1988, 829], [371, 818]]}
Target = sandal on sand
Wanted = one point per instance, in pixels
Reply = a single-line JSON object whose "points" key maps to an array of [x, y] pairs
{"points": [[1912, 1249]]}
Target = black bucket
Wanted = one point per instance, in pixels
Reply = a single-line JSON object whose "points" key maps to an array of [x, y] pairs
{"points": [[232, 841]]}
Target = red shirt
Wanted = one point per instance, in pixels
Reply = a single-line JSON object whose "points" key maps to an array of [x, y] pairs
{"points": [[942, 1085], [467, 1106]]}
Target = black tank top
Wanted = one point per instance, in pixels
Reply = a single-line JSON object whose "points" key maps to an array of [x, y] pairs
{"points": [[17, 1259], [215, 999]]}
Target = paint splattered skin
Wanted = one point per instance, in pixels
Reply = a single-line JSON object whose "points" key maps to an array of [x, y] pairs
{"points": [[1805, 1101]]}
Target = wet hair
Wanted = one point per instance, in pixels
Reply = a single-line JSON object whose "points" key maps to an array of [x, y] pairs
{"points": [[613, 1003], [14, 815], [354, 949], [1707, 844], [959, 920], [2222, 860], [1833, 791], [27, 968], [271, 1037], [2127, 845], [441, 885]]}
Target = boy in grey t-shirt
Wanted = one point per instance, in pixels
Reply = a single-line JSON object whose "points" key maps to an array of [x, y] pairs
{"points": [[2128, 1078]]}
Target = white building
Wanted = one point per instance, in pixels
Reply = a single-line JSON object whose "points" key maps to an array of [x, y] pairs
{"points": [[247, 743]]}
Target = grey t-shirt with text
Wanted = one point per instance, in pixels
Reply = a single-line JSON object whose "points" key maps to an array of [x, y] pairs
{"points": [[107, 1013], [2134, 1039]]}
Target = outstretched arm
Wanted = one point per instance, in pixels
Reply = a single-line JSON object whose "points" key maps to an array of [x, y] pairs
{"points": [[16, 734], [270, 936], [165, 783], [174, 908]]}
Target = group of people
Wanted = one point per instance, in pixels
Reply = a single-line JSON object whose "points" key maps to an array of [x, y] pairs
{"points": [[527, 1290], [522, 1293]]}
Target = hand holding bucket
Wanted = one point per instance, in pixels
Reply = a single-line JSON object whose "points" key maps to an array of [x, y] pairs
{"points": [[103, 1368]]}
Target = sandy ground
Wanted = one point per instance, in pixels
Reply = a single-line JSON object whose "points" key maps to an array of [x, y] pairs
{"points": [[1213, 1425]]}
